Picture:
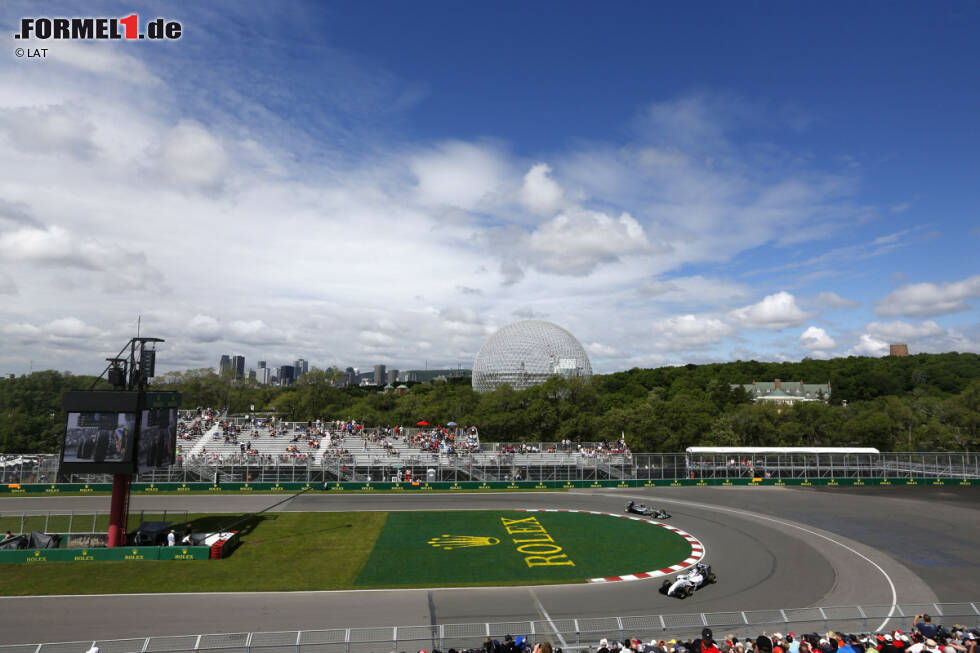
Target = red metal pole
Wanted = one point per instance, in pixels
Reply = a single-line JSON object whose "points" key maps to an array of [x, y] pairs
{"points": [[119, 510]]}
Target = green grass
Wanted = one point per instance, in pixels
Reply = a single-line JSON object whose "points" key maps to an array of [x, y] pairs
{"points": [[346, 550], [598, 546], [280, 551]]}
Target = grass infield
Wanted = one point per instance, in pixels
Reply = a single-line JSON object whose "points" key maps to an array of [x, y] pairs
{"points": [[350, 550], [425, 548]]}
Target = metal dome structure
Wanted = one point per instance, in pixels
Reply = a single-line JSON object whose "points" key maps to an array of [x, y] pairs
{"points": [[528, 353]]}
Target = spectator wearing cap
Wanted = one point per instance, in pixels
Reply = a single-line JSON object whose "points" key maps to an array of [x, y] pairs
{"points": [[603, 646], [923, 623], [706, 644]]}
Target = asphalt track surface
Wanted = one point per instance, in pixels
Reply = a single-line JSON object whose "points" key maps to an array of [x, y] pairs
{"points": [[770, 547]]}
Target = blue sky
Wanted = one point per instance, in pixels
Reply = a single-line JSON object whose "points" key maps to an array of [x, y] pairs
{"points": [[361, 183]]}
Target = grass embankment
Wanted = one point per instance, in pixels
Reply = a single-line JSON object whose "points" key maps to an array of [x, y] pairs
{"points": [[279, 552]]}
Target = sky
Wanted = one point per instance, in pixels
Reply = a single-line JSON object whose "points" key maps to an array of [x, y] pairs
{"points": [[358, 183]]}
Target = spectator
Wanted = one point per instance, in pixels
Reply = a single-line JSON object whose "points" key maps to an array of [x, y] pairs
{"points": [[706, 644], [923, 623]]}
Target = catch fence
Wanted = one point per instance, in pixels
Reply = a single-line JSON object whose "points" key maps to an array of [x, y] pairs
{"points": [[556, 466], [570, 634]]}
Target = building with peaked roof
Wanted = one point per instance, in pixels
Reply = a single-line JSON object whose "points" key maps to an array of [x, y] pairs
{"points": [[785, 393]]}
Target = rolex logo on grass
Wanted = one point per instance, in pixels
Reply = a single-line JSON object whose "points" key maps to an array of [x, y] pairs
{"points": [[449, 542]]}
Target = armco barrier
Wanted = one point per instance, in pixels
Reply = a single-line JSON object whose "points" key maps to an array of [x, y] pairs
{"points": [[54, 489], [119, 553]]}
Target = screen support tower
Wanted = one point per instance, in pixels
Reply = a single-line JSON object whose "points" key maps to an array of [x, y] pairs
{"points": [[127, 373]]}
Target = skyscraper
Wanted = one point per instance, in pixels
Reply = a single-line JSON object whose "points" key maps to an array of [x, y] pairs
{"points": [[261, 365], [286, 375], [238, 366], [301, 366], [379, 375], [225, 364]]}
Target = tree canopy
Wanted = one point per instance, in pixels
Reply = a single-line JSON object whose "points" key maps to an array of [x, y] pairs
{"points": [[926, 402]]}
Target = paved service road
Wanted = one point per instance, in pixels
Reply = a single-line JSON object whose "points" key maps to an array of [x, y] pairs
{"points": [[771, 548]]}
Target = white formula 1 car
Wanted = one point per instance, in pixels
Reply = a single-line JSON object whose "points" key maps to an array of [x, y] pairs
{"points": [[640, 509], [684, 585]]}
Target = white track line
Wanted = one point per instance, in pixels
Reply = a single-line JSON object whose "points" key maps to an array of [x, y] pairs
{"points": [[547, 617], [798, 527]]}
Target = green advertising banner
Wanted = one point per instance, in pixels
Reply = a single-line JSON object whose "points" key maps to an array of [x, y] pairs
{"points": [[119, 553]]}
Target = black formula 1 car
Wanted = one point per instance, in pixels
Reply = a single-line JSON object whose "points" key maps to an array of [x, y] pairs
{"points": [[685, 584], [640, 509]]}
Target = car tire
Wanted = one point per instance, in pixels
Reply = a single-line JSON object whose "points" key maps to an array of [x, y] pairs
{"points": [[712, 579]]}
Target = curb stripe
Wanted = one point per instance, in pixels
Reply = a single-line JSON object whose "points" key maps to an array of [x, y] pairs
{"points": [[697, 549]]}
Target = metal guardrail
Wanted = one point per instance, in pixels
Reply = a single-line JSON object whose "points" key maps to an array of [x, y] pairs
{"points": [[570, 634]]}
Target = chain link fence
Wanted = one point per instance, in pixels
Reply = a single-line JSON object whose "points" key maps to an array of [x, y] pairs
{"points": [[557, 466], [570, 634]]}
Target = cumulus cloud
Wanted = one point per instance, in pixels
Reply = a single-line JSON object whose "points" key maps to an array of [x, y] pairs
{"points": [[816, 339], [828, 299], [459, 175], [48, 130], [868, 345], [193, 157], [204, 328], [57, 248], [70, 327], [541, 194], [928, 299], [689, 331], [899, 331], [576, 242], [774, 312]]}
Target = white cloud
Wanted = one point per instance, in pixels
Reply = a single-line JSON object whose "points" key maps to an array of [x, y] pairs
{"points": [[103, 60], [204, 328], [601, 350], [541, 194], [70, 327], [868, 345], [459, 175], [48, 130], [899, 331], [815, 338], [689, 331], [57, 248], [7, 284], [576, 242], [828, 299], [774, 312], [192, 156], [928, 299]]}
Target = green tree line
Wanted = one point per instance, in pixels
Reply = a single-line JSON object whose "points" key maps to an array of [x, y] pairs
{"points": [[927, 402]]}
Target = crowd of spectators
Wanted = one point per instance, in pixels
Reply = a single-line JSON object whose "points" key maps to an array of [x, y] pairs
{"points": [[923, 637]]}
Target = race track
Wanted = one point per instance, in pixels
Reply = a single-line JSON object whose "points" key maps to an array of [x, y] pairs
{"points": [[770, 547]]}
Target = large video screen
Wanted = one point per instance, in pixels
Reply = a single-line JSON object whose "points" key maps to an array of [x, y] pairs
{"points": [[100, 432], [100, 437], [158, 438]]}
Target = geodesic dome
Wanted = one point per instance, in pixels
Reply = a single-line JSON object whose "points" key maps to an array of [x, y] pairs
{"points": [[528, 353]]}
